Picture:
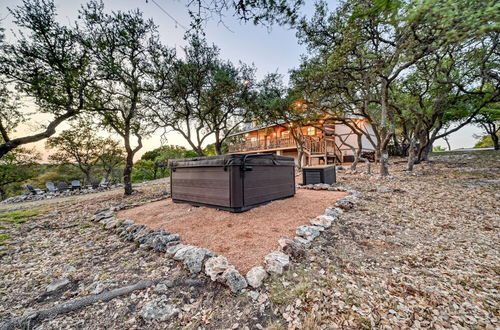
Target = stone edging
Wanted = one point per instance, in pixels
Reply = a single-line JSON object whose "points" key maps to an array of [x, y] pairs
{"points": [[201, 260]]}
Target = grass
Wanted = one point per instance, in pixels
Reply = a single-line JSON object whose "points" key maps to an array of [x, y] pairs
{"points": [[4, 238], [18, 217], [282, 295]]}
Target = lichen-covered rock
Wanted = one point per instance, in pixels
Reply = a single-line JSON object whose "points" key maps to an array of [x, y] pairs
{"points": [[57, 284], [234, 280], [333, 211], [284, 241], [276, 262], [302, 241], [324, 221], [160, 242], [309, 232], [255, 276], [216, 266], [294, 250], [193, 259], [181, 253], [111, 224], [347, 202], [172, 250], [158, 310], [354, 193]]}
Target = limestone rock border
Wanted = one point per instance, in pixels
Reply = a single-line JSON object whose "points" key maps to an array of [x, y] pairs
{"points": [[194, 259], [201, 260], [278, 261]]}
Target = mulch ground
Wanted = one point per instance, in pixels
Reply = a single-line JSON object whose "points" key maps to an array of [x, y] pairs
{"points": [[417, 251], [244, 238]]}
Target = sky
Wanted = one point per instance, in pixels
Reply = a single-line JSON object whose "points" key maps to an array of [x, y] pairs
{"points": [[270, 50]]}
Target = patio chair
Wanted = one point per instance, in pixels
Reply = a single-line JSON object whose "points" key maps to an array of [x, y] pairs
{"points": [[75, 184], [62, 186], [30, 189], [104, 183], [51, 187]]}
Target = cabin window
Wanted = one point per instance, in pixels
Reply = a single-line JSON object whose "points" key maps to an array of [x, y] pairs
{"points": [[285, 134], [311, 130], [253, 139]]}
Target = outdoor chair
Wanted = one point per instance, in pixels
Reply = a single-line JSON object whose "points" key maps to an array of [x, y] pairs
{"points": [[104, 183], [51, 187], [30, 189], [75, 184], [62, 186]]}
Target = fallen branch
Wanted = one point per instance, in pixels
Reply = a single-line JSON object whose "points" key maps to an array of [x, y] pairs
{"points": [[28, 321]]}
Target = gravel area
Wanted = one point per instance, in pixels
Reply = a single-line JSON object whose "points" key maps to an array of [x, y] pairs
{"points": [[418, 251], [244, 238]]}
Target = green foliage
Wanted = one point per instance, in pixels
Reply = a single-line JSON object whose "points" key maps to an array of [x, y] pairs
{"points": [[205, 96], [56, 173], [16, 167], [408, 67], [128, 57], [46, 63], [266, 12], [158, 162], [438, 149], [485, 141], [81, 147], [143, 171]]}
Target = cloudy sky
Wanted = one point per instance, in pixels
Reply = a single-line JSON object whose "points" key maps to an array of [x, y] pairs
{"points": [[275, 50]]}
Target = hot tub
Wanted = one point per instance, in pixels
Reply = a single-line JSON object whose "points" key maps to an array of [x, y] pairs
{"points": [[234, 183]]}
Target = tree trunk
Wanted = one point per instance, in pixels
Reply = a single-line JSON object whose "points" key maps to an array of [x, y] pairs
{"points": [[218, 148], [3, 194], [301, 158], [447, 142], [384, 162], [426, 151], [108, 173], [411, 155], [88, 177], [494, 137], [127, 173]]}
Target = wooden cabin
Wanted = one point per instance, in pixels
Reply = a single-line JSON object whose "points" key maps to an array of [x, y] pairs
{"points": [[321, 146]]}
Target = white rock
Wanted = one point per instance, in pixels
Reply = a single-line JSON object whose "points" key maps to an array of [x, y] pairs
{"points": [[57, 284], [302, 241], [284, 242], [158, 310], [309, 232], [172, 250], [255, 276], [276, 262], [216, 266], [333, 211], [182, 251], [324, 221]]}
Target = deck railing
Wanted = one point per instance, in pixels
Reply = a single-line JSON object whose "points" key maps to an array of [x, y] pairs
{"points": [[267, 144]]}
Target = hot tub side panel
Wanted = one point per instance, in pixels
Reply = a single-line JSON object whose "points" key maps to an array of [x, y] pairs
{"points": [[266, 183], [204, 185]]}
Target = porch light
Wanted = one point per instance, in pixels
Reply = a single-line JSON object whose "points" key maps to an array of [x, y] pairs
{"points": [[299, 104]]}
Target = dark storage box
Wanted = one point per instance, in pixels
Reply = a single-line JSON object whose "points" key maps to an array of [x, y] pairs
{"points": [[319, 174], [232, 182]]}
